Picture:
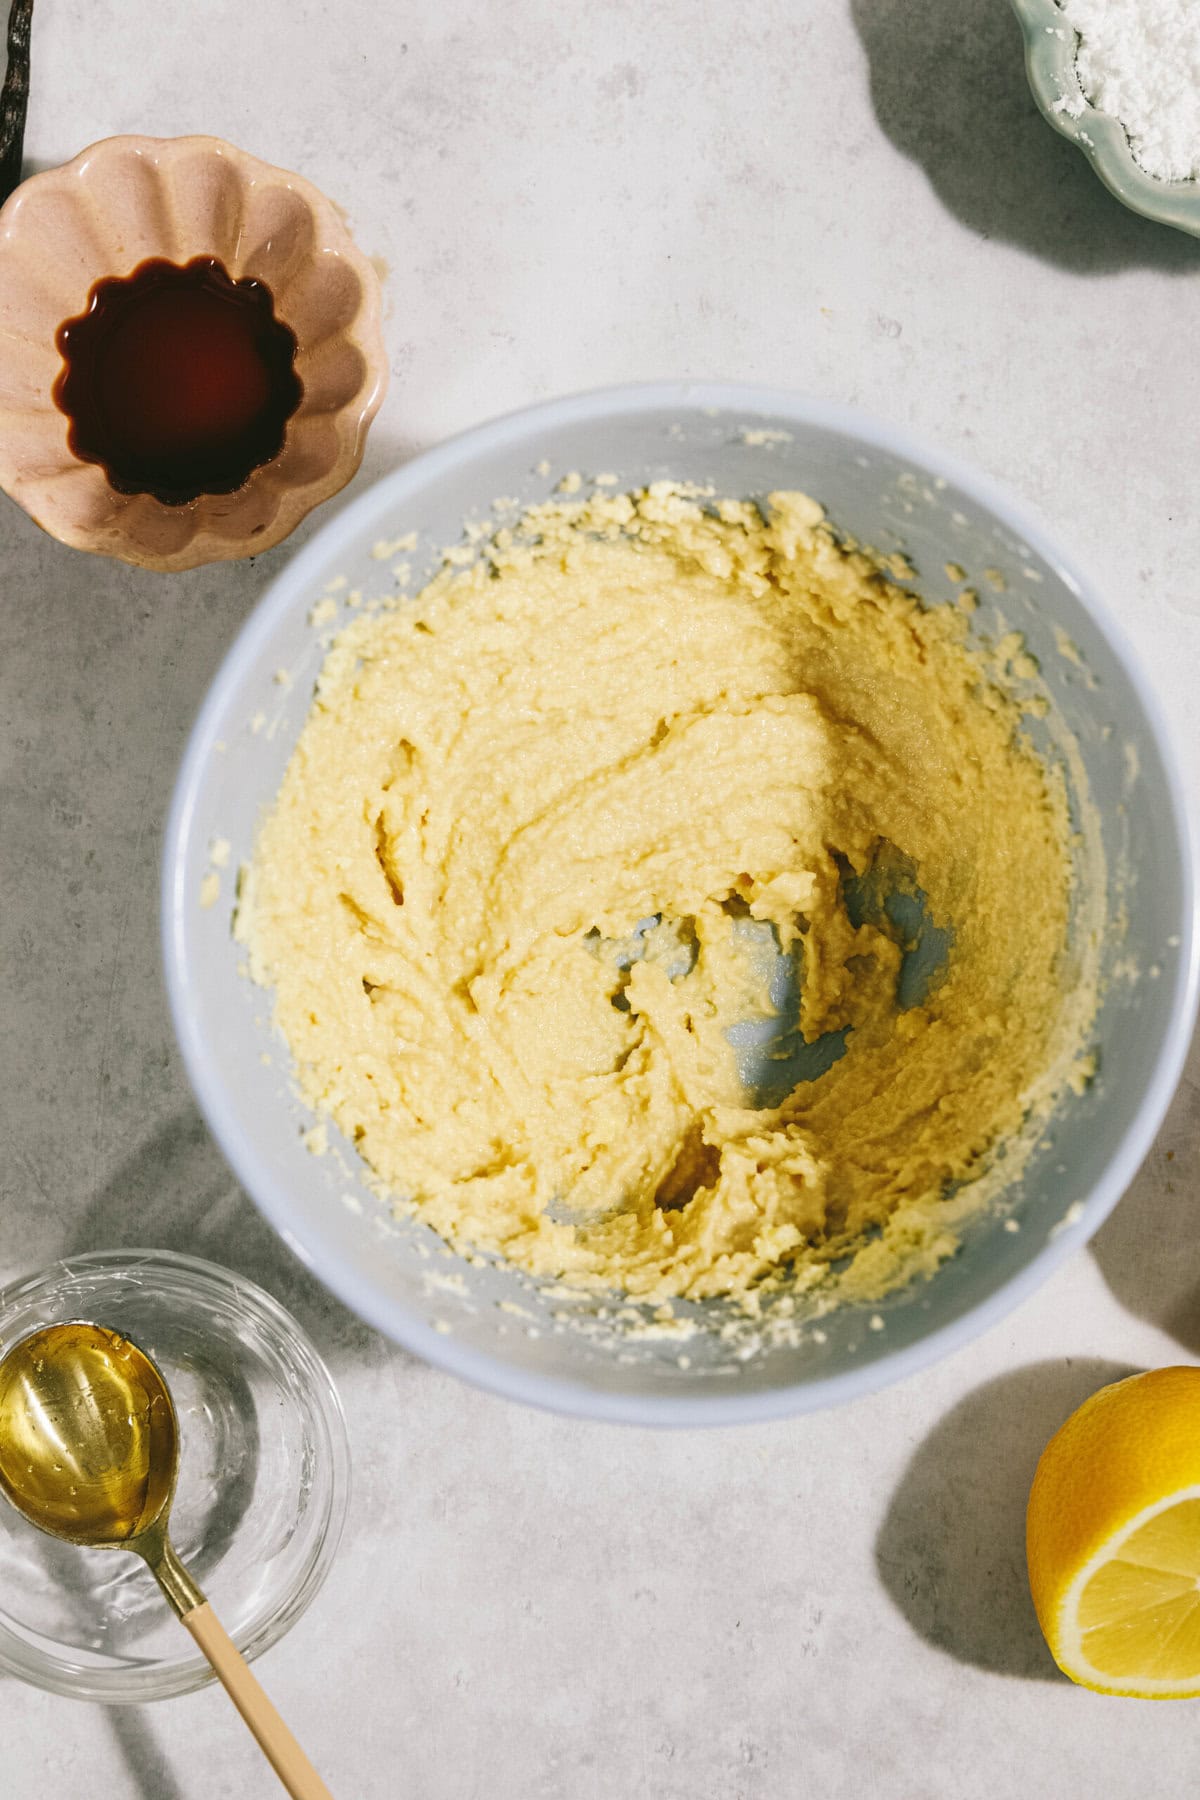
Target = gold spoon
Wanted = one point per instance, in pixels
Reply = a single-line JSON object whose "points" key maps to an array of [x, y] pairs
{"points": [[89, 1451]]}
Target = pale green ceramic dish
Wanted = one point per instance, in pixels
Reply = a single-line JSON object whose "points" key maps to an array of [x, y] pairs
{"points": [[1050, 64]]}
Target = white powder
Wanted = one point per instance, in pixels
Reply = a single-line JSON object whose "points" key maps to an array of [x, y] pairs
{"points": [[1139, 60]]}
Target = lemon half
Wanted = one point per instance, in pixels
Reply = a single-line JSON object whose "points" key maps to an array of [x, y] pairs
{"points": [[1113, 1538]]}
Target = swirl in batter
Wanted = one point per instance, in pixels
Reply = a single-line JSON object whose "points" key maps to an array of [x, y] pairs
{"points": [[652, 774]]}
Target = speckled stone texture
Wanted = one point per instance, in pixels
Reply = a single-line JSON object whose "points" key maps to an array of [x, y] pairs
{"points": [[855, 197]]}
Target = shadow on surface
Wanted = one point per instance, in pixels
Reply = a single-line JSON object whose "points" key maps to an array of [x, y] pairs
{"points": [[175, 1193], [948, 87], [951, 1549], [149, 1773], [100, 688], [1149, 1248]]}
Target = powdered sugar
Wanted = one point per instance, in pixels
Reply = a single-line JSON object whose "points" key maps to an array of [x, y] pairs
{"points": [[1139, 60]]}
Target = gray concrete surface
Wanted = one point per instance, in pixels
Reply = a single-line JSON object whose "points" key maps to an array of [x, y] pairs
{"points": [[852, 196]]}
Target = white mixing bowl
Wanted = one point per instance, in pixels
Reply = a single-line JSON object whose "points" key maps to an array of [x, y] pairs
{"points": [[485, 1322]]}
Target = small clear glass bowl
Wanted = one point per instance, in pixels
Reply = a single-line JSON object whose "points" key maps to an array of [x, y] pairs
{"points": [[264, 1480]]}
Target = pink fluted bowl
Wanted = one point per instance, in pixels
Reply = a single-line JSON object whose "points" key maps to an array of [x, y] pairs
{"points": [[119, 203]]}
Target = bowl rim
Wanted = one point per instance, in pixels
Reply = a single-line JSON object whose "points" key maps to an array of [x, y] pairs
{"points": [[1050, 46], [295, 585], [141, 1684]]}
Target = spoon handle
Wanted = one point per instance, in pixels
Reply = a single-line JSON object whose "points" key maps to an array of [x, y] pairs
{"points": [[275, 1740]]}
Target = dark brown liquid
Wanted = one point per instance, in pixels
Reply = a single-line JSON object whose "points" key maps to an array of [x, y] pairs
{"points": [[178, 381]]}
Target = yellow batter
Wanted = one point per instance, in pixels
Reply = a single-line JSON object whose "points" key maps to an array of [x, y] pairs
{"points": [[507, 901]]}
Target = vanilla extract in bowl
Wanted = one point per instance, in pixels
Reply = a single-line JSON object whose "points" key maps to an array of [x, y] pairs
{"points": [[177, 380]]}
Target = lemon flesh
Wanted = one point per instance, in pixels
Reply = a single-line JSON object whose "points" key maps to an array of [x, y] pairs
{"points": [[1137, 1617]]}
